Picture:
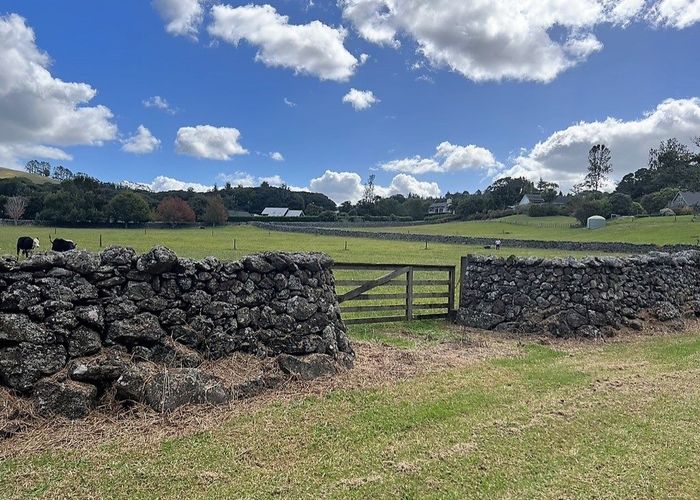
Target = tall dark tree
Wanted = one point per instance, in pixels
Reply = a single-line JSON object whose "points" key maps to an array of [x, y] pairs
{"points": [[61, 173], [508, 191], [599, 166], [368, 196]]}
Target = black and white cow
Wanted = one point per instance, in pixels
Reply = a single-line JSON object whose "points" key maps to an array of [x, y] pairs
{"points": [[26, 245], [61, 245]]}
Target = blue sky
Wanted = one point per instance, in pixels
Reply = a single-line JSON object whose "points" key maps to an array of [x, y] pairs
{"points": [[453, 104]]}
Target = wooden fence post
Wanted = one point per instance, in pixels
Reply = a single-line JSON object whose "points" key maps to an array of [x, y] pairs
{"points": [[409, 294], [462, 267], [451, 298]]}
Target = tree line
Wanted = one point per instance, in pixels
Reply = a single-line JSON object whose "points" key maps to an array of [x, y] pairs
{"points": [[81, 199], [671, 167]]}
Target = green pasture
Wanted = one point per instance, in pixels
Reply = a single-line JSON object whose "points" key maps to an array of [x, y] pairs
{"points": [[585, 421], [198, 243], [656, 230]]}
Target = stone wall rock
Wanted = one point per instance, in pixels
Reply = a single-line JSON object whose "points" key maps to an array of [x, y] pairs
{"points": [[77, 324], [591, 297]]}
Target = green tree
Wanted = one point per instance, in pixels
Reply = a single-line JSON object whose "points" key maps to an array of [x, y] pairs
{"points": [[129, 207], [599, 166], [654, 202], [621, 204], [508, 191], [216, 213], [587, 208], [312, 210]]}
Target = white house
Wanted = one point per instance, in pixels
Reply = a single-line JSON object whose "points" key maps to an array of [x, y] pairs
{"points": [[441, 207], [531, 199]]}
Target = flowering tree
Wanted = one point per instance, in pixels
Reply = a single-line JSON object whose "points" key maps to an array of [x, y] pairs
{"points": [[174, 210]]}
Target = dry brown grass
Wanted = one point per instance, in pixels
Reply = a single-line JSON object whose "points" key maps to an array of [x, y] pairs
{"points": [[376, 365]]}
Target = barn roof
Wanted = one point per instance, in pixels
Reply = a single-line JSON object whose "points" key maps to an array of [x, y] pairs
{"points": [[535, 198], [295, 213], [275, 211]]}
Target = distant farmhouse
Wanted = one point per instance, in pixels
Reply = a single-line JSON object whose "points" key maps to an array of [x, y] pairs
{"points": [[441, 207], [281, 212], [685, 199], [531, 199]]}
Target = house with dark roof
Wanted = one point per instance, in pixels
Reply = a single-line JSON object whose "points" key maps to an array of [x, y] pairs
{"points": [[685, 199], [531, 199], [441, 207]]}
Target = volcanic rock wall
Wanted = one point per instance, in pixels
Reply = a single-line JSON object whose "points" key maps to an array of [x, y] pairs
{"points": [[77, 324], [568, 297]]}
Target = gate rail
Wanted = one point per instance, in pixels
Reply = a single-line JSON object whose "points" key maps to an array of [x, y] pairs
{"points": [[399, 275]]}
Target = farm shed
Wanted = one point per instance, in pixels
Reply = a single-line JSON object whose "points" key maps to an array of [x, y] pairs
{"points": [[275, 211], [596, 222]]}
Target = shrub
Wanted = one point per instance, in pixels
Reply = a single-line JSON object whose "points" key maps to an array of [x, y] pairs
{"points": [[543, 210], [588, 208], [684, 211]]}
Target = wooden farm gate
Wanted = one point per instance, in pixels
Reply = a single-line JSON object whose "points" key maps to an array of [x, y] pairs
{"points": [[407, 289]]}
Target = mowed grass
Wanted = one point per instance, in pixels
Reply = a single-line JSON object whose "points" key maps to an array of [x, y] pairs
{"points": [[561, 421], [199, 243], [655, 230]]}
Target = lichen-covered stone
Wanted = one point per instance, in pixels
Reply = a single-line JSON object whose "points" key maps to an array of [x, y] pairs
{"points": [[79, 318], [591, 297]]}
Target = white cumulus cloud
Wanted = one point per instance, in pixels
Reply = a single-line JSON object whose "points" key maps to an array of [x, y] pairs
{"points": [[142, 142], [206, 141], [360, 99], [448, 158], [159, 102], [314, 49], [492, 39], [164, 183], [40, 113], [348, 186], [562, 157], [277, 156], [675, 13], [181, 17]]}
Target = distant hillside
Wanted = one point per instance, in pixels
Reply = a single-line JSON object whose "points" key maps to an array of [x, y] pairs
{"points": [[7, 173]]}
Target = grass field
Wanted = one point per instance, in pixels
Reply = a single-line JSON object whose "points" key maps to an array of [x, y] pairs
{"points": [[198, 243], [8, 173], [617, 420], [657, 230]]}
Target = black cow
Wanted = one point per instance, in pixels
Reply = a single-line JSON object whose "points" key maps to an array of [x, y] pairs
{"points": [[61, 245], [26, 244]]}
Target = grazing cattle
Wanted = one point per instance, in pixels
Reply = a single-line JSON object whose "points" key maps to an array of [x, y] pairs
{"points": [[26, 244], [61, 245]]}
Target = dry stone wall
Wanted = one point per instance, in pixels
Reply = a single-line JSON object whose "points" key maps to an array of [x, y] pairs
{"points": [[77, 324], [591, 297]]}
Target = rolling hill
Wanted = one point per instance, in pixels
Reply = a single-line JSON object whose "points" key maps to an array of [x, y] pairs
{"points": [[8, 173]]}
